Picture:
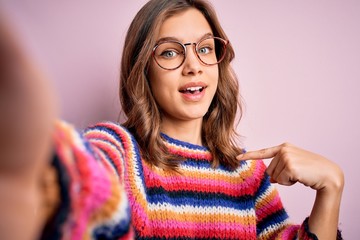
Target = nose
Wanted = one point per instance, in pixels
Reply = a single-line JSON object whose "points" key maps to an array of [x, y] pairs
{"points": [[192, 64]]}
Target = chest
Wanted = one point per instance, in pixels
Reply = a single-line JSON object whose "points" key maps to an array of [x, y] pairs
{"points": [[199, 201]]}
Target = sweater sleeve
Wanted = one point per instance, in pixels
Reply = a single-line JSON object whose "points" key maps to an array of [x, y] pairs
{"points": [[272, 219], [90, 168]]}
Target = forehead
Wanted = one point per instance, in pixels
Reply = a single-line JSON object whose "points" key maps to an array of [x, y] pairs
{"points": [[188, 25]]}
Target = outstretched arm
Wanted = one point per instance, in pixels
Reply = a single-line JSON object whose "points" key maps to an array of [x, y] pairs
{"points": [[26, 122], [81, 192], [291, 164]]}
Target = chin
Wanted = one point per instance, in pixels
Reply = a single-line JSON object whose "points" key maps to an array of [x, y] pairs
{"points": [[196, 115]]}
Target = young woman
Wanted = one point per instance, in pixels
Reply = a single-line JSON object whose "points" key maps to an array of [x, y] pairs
{"points": [[172, 170]]}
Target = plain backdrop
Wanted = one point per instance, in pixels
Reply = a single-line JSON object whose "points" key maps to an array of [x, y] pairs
{"points": [[298, 64]]}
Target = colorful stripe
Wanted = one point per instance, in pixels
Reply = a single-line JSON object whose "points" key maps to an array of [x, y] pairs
{"points": [[112, 185]]}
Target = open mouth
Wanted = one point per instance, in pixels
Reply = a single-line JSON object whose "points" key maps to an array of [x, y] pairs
{"points": [[192, 90]]}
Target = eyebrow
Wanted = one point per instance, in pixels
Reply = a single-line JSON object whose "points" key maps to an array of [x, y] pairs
{"points": [[166, 39]]}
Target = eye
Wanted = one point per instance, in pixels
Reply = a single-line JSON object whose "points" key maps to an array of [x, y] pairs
{"points": [[205, 50], [169, 53]]}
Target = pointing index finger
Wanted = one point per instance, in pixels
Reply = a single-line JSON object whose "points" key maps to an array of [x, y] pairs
{"points": [[259, 154]]}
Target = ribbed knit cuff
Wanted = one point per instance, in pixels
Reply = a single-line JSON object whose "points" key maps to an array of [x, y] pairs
{"points": [[53, 227], [305, 233]]}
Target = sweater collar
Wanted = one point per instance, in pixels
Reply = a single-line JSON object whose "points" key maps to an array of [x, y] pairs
{"points": [[186, 149]]}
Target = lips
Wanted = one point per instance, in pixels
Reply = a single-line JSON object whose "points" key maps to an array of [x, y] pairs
{"points": [[193, 91], [193, 88]]}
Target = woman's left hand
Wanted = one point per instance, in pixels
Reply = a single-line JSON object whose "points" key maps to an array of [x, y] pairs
{"points": [[291, 164]]}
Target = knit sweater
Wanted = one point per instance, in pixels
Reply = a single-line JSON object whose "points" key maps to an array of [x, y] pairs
{"points": [[109, 192]]}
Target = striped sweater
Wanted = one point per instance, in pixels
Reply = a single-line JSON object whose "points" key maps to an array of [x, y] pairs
{"points": [[109, 192]]}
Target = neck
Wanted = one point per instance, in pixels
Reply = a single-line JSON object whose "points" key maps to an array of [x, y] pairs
{"points": [[187, 131]]}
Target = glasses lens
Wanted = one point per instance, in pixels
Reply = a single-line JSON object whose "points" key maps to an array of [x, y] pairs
{"points": [[169, 55], [211, 50]]}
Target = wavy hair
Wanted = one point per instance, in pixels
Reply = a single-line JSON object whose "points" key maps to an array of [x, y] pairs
{"points": [[143, 113]]}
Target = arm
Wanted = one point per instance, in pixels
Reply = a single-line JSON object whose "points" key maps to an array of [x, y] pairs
{"points": [[324, 216], [290, 165], [26, 124], [98, 202], [92, 195]]}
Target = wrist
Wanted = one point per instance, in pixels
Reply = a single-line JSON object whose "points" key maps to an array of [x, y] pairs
{"points": [[324, 217], [334, 182]]}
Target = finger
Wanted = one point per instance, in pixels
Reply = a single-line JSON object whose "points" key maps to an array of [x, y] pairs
{"points": [[285, 178], [259, 154], [275, 168]]}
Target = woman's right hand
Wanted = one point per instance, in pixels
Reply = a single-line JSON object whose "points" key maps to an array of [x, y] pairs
{"points": [[27, 114]]}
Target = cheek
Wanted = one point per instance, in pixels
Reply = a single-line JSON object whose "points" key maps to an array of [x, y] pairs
{"points": [[213, 77], [162, 79], [214, 81], [152, 73], [155, 79], [216, 74], [162, 83]]}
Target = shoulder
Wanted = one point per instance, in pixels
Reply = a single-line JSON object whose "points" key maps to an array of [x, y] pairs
{"points": [[110, 132], [112, 128], [253, 173], [253, 168]]}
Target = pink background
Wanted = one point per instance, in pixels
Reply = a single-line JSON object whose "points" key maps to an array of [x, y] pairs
{"points": [[298, 63]]}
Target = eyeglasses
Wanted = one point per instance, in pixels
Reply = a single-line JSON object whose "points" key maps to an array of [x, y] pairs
{"points": [[171, 54]]}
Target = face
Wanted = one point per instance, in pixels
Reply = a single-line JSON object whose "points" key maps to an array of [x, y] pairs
{"points": [[184, 94]]}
